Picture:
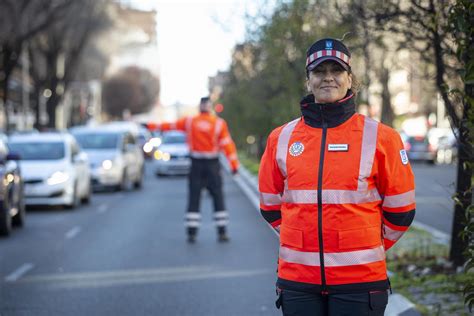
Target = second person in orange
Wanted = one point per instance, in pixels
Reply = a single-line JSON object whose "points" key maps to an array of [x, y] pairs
{"points": [[207, 136]]}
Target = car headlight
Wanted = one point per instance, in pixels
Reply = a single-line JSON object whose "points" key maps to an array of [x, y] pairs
{"points": [[147, 148], [57, 178], [107, 164], [160, 155]]}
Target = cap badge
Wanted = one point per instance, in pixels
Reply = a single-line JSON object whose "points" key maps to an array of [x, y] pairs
{"points": [[296, 149], [328, 44]]}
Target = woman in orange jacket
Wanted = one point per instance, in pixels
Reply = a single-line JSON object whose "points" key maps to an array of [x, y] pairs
{"points": [[339, 189]]}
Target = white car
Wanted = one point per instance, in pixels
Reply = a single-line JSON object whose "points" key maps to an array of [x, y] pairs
{"points": [[55, 169], [172, 156], [115, 156]]}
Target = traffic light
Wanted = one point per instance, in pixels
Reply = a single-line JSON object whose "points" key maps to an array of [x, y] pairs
{"points": [[219, 108]]}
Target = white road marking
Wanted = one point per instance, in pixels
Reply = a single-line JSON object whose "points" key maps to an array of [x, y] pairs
{"points": [[73, 232], [18, 273], [103, 208]]}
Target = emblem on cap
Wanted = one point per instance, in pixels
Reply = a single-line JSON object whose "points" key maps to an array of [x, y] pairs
{"points": [[296, 149], [328, 44]]}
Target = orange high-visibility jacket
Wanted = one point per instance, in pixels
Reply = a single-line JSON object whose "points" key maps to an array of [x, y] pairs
{"points": [[207, 134], [339, 197]]}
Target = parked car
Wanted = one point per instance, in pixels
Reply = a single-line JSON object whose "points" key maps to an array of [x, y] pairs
{"points": [[418, 148], [12, 202], [115, 156], [55, 169], [172, 156]]}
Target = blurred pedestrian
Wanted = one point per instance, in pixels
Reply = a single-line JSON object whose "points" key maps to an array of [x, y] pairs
{"points": [[339, 189], [207, 135]]}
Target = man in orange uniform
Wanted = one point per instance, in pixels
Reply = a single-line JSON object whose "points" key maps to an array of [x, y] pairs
{"points": [[207, 135], [339, 188]]}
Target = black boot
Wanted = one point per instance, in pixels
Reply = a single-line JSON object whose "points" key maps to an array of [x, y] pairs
{"points": [[192, 232], [222, 234]]}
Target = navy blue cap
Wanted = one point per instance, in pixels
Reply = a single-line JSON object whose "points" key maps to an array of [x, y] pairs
{"points": [[328, 49]]}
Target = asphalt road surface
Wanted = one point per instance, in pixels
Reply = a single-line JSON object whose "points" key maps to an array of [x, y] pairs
{"points": [[126, 254]]}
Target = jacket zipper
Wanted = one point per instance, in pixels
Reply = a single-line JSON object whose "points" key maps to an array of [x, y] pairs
{"points": [[320, 205]]}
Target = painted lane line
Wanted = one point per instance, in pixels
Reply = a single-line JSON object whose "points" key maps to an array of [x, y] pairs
{"points": [[18, 273], [73, 232], [103, 208]]}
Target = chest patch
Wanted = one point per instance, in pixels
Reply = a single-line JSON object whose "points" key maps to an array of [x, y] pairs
{"points": [[404, 156], [296, 149], [338, 147]]}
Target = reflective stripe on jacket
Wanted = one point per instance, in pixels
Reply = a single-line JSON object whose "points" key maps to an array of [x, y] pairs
{"points": [[207, 134], [340, 197]]}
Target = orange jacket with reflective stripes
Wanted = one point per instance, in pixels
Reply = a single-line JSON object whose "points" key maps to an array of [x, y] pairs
{"points": [[340, 196], [207, 134]]}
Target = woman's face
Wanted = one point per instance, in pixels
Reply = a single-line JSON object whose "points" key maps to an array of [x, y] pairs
{"points": [[329, 82]]}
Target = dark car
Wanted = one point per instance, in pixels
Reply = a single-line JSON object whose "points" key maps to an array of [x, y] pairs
{"points": [[12, 203], [419, 149]]}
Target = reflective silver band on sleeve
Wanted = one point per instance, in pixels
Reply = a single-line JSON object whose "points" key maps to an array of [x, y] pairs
{"points": [[270, 199], [282, 146], [367, 155], [399, 200], [334, 259], [392, 234]]}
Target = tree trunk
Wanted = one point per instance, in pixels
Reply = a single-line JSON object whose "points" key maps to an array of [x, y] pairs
{"points": [[463, 185], [387, 111]]}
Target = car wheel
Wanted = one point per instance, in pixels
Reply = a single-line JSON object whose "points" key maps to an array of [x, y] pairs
{"points": [[5, 223], [139, 183], [87, 198], [19, 219]]}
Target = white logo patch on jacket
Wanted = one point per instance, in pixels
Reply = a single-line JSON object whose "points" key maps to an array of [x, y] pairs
{"points": [[338, 147], [404, 156], [296, 149]]}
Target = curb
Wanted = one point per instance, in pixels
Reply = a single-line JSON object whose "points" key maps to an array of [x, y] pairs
{"points": [[398, 305]]}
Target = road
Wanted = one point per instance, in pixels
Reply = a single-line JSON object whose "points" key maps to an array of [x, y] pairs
{"points": [[126, 254], [435, 186]]}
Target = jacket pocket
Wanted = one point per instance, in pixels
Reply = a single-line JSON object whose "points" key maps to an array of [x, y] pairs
{"points": [[360, 238], [291, 236]]}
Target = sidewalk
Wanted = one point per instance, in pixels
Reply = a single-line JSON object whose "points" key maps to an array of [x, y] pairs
{"points": [[398, 305]]}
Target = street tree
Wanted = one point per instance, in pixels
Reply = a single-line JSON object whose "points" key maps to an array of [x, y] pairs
{"points": [[132, 90], [267, 76], [55, 53], [423, 27], [21, 20]]}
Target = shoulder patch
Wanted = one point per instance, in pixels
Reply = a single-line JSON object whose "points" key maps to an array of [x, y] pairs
{"points": [[404, 156], [296, 149]]}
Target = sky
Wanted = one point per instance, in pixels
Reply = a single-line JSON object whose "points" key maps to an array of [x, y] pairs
{"points": [[195, 41]]}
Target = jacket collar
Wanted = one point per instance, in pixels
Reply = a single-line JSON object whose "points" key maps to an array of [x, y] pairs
{"points": [[333, 114]]}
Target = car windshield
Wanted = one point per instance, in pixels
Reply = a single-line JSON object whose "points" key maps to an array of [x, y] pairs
{"points": [[174, 138], [418, 140], [38, 150], [98, 140]]}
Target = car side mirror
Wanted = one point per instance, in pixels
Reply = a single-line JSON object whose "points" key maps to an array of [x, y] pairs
{"points": [[80, 158]]}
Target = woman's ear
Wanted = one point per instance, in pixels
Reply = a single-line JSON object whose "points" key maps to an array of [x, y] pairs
{"points": [[350, 81], [308, 87]]}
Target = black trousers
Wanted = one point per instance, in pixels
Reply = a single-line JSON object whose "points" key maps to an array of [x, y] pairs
{"points": [[205, 173], [294, 303]]}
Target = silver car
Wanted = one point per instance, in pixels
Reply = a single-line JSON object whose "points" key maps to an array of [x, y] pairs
{"points": [[172, 156], [115, 156], [55, 169]]}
